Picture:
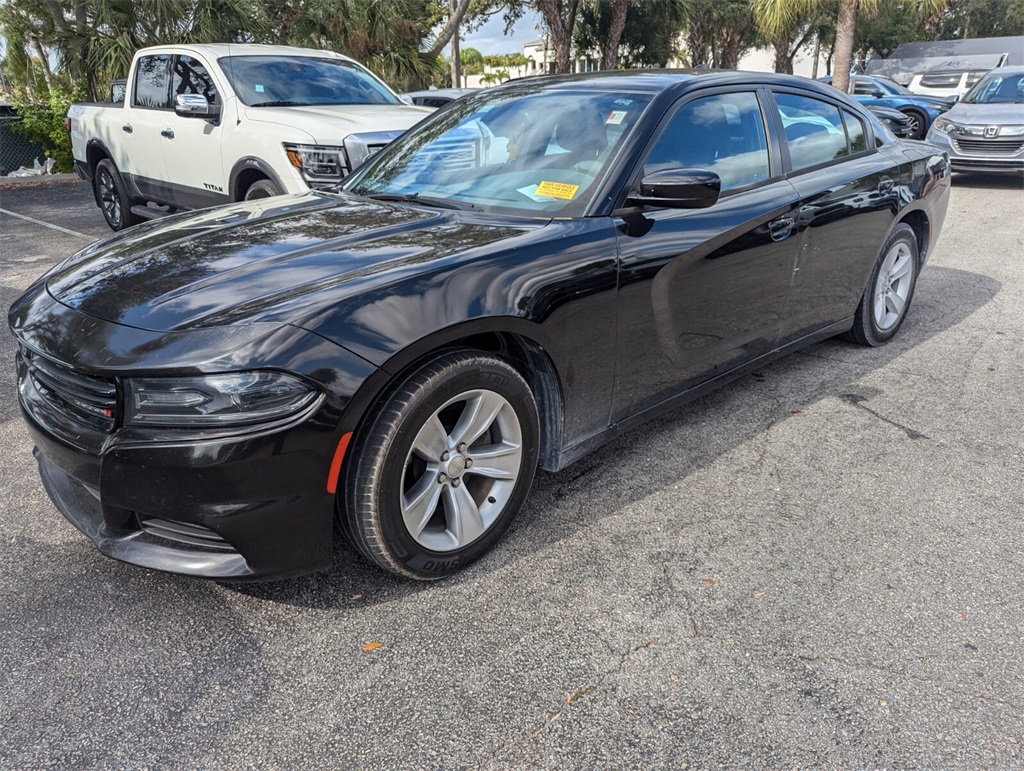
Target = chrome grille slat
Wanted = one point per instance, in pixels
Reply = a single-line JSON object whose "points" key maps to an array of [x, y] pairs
{"points": [[989, 146]]}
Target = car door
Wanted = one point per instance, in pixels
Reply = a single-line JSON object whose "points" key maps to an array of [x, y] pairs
{"points": [[142, 159], [192, 146], [702, 291], [848, 199]]}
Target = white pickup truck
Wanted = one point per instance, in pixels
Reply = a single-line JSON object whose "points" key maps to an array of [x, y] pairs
{"points": [[203, 125]]}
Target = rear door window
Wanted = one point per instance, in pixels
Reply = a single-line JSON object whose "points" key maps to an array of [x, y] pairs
{"points": [[152, 81], [813, 128]]}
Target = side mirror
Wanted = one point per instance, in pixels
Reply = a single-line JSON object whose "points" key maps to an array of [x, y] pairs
{"points": [[877, 93], [195, 106], [678, 189], [406, 99]]}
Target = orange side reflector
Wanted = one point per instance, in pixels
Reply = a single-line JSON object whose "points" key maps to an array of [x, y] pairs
{"points": [[339, 456]]}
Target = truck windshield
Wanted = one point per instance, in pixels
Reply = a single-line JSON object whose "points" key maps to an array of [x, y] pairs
{"points": [[272, 81], [515, 151]]}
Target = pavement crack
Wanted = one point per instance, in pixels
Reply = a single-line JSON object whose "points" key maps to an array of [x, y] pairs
{"points": [[857, 400]]}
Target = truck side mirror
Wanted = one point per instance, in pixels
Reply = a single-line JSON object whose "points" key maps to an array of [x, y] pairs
{"points": [[195, 106]]}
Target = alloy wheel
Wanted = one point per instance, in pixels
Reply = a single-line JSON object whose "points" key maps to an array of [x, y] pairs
{"points": [[462, 470], [893, 285], [110, 201]]}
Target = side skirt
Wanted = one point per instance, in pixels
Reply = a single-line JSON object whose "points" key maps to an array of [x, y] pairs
{"points": [[574, 452]]}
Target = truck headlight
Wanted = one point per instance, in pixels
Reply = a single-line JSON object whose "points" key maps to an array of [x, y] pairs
{"points": [[945, 125], [318, 162], [208, 401]]}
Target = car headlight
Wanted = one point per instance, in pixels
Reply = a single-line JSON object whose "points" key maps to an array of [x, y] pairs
{"points": [[318, 161], [233, 399], [945, 125]]}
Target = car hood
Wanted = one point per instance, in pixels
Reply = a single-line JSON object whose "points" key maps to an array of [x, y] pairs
{"points": [[279, 260], [329, 124], [988, 114]]}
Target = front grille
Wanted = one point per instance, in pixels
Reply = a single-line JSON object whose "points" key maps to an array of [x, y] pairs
{"points": [[185, 533], [88, 399], [989, 146]]}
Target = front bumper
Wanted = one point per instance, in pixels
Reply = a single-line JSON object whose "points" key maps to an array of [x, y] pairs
{"points": [[998, 155], [251, 504]]}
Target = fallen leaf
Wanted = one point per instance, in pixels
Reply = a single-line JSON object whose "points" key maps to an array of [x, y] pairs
{"points": [[355, 597], [673, 677], [963, 616], [991, 369], [372, 646], [709, 581], [794, 412], [759, 594]]}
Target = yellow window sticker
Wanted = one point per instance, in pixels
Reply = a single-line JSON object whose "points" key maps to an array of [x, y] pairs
{"points": [[562, 190]]}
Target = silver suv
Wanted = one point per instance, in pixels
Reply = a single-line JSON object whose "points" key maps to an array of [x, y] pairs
{"points": [[985, 130]]}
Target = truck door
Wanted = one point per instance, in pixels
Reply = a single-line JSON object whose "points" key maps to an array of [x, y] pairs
{"points": [[141, 160], [192, 146]]}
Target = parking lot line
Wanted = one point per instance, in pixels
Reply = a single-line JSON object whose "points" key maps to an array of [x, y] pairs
{"points": [[46, 224]]}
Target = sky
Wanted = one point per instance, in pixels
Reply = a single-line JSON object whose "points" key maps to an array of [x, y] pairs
{"points": [[491, 38]]}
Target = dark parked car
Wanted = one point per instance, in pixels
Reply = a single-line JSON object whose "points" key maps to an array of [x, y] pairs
{"points": [[874, 91], [897, 122], [208, 392], [437, 97]]}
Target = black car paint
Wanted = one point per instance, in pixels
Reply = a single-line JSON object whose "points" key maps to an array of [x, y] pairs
{"points": [[612, 316]]}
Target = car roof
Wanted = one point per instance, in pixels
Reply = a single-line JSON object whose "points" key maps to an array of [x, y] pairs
{"points": [[662, 80]]}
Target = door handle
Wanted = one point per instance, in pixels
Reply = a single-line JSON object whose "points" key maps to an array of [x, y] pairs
{"points": [[781, 228], [885, 185], [167, 133], [127, 128]]}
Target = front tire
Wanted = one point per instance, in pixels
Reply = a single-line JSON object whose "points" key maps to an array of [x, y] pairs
{"points": [[261, 188], [443, 468], [886, 300], [112, 196], [918, 124]]}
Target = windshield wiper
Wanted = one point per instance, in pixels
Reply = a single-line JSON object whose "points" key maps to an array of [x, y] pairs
{"points": [[280, 103], [425, 200]]}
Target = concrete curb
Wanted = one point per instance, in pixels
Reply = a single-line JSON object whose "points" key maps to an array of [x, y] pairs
{"points": [[42, 179]]}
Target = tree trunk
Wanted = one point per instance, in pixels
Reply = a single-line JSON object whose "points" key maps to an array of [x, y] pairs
{"points": [[44, 61], [846, 27], [458, 13], [610, 58], [560, 25], [783, 59], [696, 38], [817, 55]]}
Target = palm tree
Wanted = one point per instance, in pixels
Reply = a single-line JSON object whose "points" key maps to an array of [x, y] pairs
{"points": [[775, 16]]}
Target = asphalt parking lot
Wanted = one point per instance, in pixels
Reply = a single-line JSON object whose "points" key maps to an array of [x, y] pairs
{"points": [[821, 564]]}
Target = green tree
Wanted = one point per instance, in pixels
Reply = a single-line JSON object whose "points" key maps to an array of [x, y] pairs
{"points": [[775, 16]]}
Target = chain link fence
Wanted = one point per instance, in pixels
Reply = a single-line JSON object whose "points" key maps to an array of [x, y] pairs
{"points": [[15, 150]]}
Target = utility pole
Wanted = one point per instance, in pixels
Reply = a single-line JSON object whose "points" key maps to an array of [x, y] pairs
{"points": [[456, 63]]}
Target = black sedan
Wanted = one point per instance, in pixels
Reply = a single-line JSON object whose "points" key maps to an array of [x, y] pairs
{"points": [[521, 277]]}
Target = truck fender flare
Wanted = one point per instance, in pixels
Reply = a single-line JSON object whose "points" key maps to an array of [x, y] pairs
{"points": [[251, 162]]}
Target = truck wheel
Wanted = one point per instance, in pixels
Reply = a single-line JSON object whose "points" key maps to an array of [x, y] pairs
{"points": [[262, 188], [112, 196]]}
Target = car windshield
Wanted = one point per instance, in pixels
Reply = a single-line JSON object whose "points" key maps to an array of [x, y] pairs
{"points": [[524, 152], [279, 81], [997, 87]]}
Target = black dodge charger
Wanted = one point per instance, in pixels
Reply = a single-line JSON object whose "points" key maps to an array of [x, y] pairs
{"points": [[522, 276]]}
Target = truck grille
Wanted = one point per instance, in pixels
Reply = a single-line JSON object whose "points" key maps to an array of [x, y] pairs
{"points": [[989, 146], [85, 398]]}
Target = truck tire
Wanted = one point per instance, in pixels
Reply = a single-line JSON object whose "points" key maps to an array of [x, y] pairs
{"points": [[112, 196], [261, 188]]}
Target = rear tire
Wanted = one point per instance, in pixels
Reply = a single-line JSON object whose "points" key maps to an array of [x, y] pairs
{"points": [[439, 474], [112, 196], [886, 300], [261, 188]]}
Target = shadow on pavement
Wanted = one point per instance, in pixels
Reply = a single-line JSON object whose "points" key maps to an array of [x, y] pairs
{"points": [[626, 469]]}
